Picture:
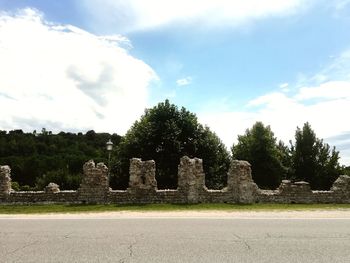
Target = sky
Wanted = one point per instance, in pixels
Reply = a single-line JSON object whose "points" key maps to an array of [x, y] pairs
{"points": [[77, 65]]}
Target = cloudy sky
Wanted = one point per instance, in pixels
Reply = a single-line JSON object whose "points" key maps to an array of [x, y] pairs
{"points": [[97, 64]]}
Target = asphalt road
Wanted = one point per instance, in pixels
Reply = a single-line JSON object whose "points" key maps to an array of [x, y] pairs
{"points": [[174, 240]]}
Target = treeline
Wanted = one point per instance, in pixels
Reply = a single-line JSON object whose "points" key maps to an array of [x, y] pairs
{"points": [[165, 133], [308, 158], [38, 158]]}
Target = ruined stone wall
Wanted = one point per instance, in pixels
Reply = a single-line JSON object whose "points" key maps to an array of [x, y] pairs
{"points": [[5, 181], [191, 180], [240, 182], [191, 187], [301, 193], [42, 197], [94, 186], [142, 175]]}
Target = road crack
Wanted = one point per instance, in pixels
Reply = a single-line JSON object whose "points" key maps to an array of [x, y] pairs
{"points": [[68, 235], [22, 247], [131, 247], [243, 241]]}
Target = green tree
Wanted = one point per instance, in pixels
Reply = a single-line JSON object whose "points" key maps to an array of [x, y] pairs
{"points": [[165, 134], [31, 155], [285, 156], [346, 170], [258, 146], [313, 160], [62, 177]]}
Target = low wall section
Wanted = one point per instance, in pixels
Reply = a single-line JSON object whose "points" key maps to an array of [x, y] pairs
{"points": [[191, 187], [300, 192]]}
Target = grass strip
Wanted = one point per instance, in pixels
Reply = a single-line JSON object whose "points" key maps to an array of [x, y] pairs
{"points": [[62, 208]]}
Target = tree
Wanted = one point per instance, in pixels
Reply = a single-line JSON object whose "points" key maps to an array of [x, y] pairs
{"points": [[313, 160], [33, 155], [285, 156], [346, 170], [62, 177], [258, 146], [165, 134]]}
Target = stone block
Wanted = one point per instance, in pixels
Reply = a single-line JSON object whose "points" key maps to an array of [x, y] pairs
{"points": [[142, 175], [52, 188], [5, 180], [191, 178], [94, 186], [342, 184], [240, 182]]}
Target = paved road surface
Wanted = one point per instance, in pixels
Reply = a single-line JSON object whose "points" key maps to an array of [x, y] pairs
{"points": [[174, 240]]}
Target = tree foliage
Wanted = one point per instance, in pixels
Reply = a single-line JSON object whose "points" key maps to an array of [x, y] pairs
{"points": [[346, 170], [258, 146], [36, 158], [62, 177], [165, 134], [313, 160]]}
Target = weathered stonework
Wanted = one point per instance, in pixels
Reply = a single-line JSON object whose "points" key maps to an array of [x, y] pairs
{"points": [[240, 182], [5, 181], [52, 188], [191, 178], [342, 185], [94, 186], [142, 175], [300, 193], [191, 188], [297, 188]]}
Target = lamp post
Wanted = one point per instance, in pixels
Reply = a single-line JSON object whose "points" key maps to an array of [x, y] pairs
{"points": [[109, 147]]}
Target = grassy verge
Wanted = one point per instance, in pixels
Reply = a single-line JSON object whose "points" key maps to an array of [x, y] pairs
{"points": [[39, 209]]}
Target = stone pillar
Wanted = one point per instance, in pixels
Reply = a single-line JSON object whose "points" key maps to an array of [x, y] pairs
{"points": [[342, 186], [191, 178], [142, 175], [94, 186], [240, 182], [5, 181]]}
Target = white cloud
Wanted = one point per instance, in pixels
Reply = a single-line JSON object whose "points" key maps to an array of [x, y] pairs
{"points": [[136, 15], [228, 125], [64, 78], [328, 90], [284, 113], [284, 87], [116, 39], [322, 99], [272, 101], [184, 81]]}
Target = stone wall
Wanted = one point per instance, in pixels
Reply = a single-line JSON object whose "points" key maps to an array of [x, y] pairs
{"points": [[191, 187], [142, 175], [191, 179], [42, 197], [94, 186], [5, 181], [301, 193], [240, 182]]}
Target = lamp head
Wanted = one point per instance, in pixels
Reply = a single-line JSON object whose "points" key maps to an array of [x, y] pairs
{"points": [[109, 145]]}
